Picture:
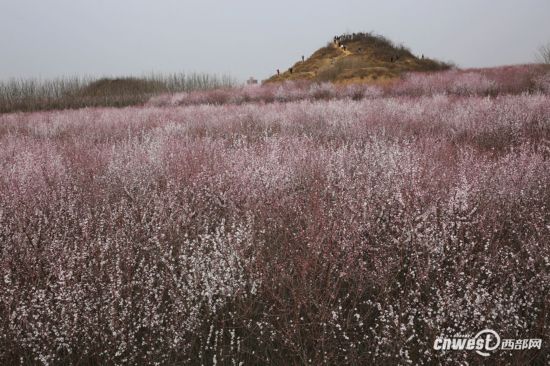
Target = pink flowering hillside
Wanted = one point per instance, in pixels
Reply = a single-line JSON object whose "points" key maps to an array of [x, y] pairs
{"points": [[283, 225], [505, 80]]}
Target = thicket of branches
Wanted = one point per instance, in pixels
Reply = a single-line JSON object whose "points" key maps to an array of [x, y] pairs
{"points": [[77, 92], [543, 54], [311, 232]]}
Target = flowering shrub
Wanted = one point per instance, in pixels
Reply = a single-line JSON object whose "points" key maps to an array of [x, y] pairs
{"points": [[452, 82], [341, 231], [474, 82], [491, 81], [542, 82]]}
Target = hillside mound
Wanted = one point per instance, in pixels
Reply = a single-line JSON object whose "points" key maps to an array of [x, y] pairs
{"points": [[121, 86], [358, 57]]}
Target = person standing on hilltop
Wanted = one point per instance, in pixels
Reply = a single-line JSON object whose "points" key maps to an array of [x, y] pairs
{"points": [[303, 58]]}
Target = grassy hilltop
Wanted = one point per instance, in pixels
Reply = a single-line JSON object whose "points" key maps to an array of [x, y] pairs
{"points": [[358, 57]]}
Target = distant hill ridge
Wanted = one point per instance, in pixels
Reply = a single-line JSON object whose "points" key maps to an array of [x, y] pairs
{"points": [[358, 57]]}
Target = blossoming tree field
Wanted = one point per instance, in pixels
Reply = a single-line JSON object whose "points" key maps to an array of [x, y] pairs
{"points": [[281, 224]]}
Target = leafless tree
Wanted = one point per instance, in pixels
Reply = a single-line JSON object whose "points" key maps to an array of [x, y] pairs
{"points": [[543, 54]]}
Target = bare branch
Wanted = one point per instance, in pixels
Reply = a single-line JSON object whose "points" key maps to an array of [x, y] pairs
{"points": [[543, 54]]}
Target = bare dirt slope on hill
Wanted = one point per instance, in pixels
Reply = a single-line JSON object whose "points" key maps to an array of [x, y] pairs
{"points": [[358, 57]]}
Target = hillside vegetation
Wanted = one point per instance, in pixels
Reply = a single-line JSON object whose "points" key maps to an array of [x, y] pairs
{"points": [[358, 57], [336, 225], [24, 95], [496, 81]]}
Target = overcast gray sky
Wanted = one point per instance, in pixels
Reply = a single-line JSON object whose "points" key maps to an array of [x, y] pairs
{"points": [[46, 38]]}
